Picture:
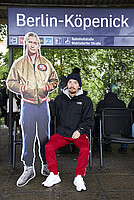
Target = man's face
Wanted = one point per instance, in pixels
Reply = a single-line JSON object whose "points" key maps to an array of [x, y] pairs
{"points": [[32, 45], [73, 87]]}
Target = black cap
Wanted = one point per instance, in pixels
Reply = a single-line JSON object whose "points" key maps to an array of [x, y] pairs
{"points": [[75, 77]]}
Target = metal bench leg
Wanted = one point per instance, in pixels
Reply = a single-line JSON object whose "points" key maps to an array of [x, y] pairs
{"points": [[14, 144], [101, 156], [90, 141]]}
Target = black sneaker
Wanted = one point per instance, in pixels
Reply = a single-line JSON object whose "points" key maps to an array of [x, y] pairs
{"points": [[122, 150], [44, 170]]}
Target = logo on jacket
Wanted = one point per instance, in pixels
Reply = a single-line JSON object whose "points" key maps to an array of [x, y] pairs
{"points": [[80, 103], [42, 67]]}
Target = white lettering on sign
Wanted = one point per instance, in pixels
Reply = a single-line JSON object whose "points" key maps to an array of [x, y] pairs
{"points": [[21, 20], [73, 20]]}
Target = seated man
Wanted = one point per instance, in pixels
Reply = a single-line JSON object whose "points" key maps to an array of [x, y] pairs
{"points": [[131, 107], [123, 148], [110, 101], [75, 113]]}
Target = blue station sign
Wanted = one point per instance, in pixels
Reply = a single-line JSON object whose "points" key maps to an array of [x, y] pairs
{"points": [[72, 27]]}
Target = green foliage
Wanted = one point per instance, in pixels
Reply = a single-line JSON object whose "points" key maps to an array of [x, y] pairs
{"points": [[99, 67], [17, 53], [3, 68], [3, 31]]}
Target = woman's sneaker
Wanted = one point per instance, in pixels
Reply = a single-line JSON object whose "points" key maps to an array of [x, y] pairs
{"points": [[27, 175], [79, 183], [51, 180], [44, 170]]}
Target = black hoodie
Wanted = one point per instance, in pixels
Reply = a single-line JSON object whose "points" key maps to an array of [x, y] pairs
{"points": [[73, 113], [110, 101]]}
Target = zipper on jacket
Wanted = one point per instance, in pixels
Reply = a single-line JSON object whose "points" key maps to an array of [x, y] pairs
{"points": [[36, 84]]}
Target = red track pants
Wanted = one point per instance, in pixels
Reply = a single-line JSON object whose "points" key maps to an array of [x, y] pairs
{"points": [[56, 141]]}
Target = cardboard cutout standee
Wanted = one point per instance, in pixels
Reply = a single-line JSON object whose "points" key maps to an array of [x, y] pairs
{"points": [[33, 76]]}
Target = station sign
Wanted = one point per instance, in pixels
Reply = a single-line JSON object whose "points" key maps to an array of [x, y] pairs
{"points": [[72, 27]]}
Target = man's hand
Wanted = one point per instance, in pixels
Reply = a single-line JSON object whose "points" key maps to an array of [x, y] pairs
{"points": [[76, 134], [5, 108]]}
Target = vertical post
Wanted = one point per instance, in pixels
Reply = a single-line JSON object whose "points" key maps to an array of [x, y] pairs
{"points": [[53, 60], [101, 156], [61, 65], [90, 140], [133, 87], [10, 146]]}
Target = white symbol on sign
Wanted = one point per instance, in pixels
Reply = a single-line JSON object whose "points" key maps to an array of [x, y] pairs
{"points": [[48, 40], [58, 40], [67, 41], [13, 40]]}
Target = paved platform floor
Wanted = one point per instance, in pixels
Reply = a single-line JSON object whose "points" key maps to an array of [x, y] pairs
{"points": [[116, 182]]}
